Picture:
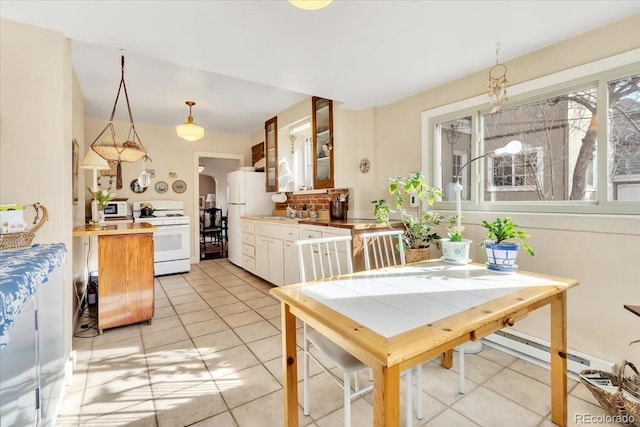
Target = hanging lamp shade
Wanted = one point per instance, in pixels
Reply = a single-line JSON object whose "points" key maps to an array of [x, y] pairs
{"points": [[190, 131], [200, 168], [93, 161], [310, 4]]}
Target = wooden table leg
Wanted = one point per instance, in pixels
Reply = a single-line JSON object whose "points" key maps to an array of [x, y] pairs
{"points": [[446, 359], [290, 370], [386, 396], [559, 360]]}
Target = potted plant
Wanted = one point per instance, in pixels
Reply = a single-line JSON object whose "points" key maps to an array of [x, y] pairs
{"points": [[419, 222], [455, 248], [500, 246], [101, 198]]}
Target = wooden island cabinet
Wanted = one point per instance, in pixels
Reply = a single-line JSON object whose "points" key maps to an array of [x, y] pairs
{"points": [[125, 274]]}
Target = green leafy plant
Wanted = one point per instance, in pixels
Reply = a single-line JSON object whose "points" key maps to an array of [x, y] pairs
{"points": [[503, 230], [419, 222], [454, 231], [102, 197]]}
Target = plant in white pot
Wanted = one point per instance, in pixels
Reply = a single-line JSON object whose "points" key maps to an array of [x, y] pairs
{"points": [[504, 239], [419, 222], [455, 248]]}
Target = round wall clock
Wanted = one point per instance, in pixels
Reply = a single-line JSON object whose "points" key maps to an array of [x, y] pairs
{"points": [[365, 165], [179, 186]]}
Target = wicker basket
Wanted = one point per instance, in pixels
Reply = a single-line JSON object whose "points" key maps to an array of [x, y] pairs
{"points": [[22, 240], [616, 403]]}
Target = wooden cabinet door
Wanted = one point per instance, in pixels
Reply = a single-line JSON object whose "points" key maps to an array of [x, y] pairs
{"points": [[323, 146], [125, 282], [271, 154]]}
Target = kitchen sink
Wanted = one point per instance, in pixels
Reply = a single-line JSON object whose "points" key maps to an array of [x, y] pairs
{"points": [[281, 218]]}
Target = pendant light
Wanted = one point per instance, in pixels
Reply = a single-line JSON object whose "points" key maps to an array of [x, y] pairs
{"points": [[189, 130], [310, 4], [112, 148]]}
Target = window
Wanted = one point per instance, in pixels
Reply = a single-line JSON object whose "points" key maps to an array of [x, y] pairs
{"points": [[517, 172], [559, 122]]}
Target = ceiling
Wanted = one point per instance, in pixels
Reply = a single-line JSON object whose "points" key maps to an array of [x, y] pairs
{"points": [[242, 62]]}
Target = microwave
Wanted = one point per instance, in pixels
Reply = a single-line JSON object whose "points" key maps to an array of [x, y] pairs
{"points": [[117, 210]]}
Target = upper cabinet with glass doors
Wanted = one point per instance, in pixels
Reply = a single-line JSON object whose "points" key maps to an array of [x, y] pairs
{"points": [[271, 154], [322, 133]]}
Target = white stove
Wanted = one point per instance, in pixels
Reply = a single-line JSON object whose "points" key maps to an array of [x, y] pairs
{"points": [[171, 246]]}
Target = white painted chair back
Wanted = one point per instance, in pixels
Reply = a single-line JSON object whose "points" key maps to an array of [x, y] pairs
{"points": [[324, 257], [383, 249]]}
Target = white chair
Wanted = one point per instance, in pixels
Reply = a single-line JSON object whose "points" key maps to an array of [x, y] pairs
{"points": [[320, 259], [385, 249]]}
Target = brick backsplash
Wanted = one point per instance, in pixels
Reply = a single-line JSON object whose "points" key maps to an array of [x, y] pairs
{"points": [[320, 201]]}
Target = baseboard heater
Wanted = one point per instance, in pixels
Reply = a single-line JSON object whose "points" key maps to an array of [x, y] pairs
{"points": [[536, 351]]}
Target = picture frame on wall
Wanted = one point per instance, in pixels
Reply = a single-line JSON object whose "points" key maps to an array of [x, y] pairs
{"points": [[75, 153], [201, 202]]}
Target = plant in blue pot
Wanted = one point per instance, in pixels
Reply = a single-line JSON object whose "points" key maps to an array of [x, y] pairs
{"points": [[503, 241]]}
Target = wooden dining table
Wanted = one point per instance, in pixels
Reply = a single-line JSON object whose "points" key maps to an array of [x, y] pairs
{"points": [[395, 318]]}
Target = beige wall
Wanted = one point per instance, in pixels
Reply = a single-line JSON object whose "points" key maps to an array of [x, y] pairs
{"points": [[170, 153], [599, 251], [36, 133]]}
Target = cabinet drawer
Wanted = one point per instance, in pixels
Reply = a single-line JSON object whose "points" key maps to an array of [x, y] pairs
{"points": [[249, 239], [248, 250], [269, 230], [291, 233], [310, 233], [248, 263], [248, 227], [335, 231]]}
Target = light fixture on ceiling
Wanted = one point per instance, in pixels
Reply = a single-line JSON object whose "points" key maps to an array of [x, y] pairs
{"points": [[111, 147], [310, 4], [189, 130], [498, 83], [200, 168]]}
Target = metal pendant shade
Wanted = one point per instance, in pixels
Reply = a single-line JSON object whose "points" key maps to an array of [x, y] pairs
{"points": [[108, 145]]}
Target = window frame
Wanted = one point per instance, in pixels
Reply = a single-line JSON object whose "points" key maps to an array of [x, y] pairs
{"points": [[600, 73]]}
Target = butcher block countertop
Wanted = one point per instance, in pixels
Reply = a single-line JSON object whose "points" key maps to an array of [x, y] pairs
{"points": [[352, 223], [135, 228]]}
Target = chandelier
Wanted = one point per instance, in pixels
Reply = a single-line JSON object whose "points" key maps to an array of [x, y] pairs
{"points": [[190, 131], [497, 84]]}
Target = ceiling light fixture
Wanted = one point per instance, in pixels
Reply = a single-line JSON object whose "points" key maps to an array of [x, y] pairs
{"points": [[189, 130], [310, 4], [111, 147], [200, 168]]}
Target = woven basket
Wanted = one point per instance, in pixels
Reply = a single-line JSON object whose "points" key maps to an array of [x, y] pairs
{"points": [[22, 240], [616, 403]]}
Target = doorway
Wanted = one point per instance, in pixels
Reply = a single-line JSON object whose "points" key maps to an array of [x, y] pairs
{"points": [[211, 192]]}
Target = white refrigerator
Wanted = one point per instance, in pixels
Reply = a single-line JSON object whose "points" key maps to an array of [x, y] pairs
{"points": [[246, 195]]}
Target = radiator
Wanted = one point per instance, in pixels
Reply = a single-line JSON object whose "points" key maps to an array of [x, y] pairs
{"points": [[536, 351]]}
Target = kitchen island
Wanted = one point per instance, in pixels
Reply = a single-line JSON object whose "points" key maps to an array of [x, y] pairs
{"points": [[125, 273]]}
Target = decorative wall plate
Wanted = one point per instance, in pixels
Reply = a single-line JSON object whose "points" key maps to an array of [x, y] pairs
{"points": [[161, 187], [136, 187], [179, 186]]}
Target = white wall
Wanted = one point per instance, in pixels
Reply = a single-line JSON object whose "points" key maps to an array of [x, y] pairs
{"points": [[36, 133]]}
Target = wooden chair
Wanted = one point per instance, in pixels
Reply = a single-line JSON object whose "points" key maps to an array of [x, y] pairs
{"points": [[211, 226], [319, 259], [385, 249]]}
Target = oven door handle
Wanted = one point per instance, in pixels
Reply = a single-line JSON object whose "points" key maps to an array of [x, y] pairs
{"points": [[170, 226]]}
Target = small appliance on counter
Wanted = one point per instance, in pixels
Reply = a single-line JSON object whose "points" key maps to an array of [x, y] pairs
{"points": [[118, 209]]}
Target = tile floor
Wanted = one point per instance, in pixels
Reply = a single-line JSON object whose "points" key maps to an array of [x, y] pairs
{"points": [[211, 357]]}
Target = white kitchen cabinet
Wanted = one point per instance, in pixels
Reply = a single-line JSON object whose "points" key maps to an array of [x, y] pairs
{"points": [[276, 261], [262, 257], [291, 265], [248, 246], [315, 232]]}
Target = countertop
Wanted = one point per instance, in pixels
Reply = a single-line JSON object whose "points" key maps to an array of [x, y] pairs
{"points": [[135, 228], [351, 223]]}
